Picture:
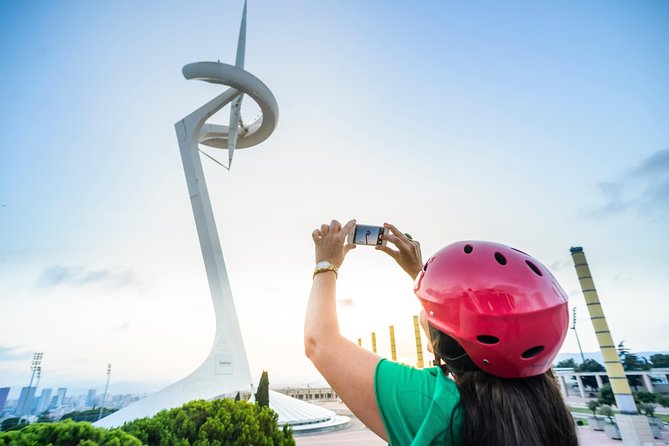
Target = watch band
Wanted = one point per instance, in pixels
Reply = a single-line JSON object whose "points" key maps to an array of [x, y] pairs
{"points": [[330, 267]]}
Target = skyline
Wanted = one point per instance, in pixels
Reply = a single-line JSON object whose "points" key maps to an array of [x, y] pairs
{"points": [[540, 126]]}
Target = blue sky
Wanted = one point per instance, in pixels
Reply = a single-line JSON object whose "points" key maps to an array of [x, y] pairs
{"points": [[541, 126]]}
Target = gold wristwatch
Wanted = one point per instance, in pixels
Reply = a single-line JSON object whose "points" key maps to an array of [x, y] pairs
{"points": [[324, 266]]}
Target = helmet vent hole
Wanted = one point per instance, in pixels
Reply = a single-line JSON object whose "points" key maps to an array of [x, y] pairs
{"points": [[468, 249], [427, 263], [500, 258], [534, 268], [532, 352], [487, 339]]}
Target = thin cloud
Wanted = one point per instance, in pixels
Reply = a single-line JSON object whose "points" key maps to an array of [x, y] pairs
{"points": [[59, 275], [11, 354], [644, 190], [559, 265], [123, 327]]}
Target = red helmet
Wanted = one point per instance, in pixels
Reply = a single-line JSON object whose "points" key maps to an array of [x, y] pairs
{"points": [[501, 305]]}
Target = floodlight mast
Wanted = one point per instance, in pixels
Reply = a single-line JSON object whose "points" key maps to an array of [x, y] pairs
{"points": [[225, 371], [578, 341], [35, 367]]}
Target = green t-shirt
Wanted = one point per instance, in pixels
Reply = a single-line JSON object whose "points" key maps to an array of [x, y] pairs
{"points": [[418, 406]]}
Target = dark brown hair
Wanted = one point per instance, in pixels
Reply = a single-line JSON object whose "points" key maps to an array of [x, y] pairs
{"points": [[506, 411]]}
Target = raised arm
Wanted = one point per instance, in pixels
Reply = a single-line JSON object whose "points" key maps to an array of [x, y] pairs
{"points": [[348, 368]]}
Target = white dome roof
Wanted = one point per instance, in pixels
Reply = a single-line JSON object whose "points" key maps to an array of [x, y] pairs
{"points": [[302, 416]]}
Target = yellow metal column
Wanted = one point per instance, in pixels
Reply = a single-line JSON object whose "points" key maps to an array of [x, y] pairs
{"points": [[393, 351], [419, 344], [617, 378], [374, 342]]}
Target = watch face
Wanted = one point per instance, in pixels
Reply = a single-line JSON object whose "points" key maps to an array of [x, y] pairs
{"points": [[323, 264]]}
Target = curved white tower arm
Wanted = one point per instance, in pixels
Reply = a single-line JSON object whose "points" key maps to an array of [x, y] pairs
{"points": [[225, 371], [243, 81]]}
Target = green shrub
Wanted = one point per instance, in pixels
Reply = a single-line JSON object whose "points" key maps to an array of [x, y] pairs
{"points": [[67, 433], [211, 423], [607, 411]]}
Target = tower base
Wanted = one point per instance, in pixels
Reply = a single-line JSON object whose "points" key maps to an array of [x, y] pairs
{"points": [[635, 430]]}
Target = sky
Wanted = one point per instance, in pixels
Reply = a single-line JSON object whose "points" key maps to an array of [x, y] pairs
{"points": [[542, 126]]}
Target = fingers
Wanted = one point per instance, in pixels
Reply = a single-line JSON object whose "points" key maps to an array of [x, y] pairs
{"points": [[397, 237], [397, 241], [348, 227], [316, 235], [393, 229], [335, 227]]}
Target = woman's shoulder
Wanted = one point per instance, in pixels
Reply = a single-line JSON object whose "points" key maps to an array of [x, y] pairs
{"points": [[416, 403], [397, 371]]}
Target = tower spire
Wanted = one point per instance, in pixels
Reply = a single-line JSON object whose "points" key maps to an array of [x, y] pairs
{"points": [[236, 106], [241, 42]]}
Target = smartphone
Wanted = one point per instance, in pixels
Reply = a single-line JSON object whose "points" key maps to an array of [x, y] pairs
{"points": [[367, 235]]}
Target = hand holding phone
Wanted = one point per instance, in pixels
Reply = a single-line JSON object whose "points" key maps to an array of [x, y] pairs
{"points": [[407, 255], [367, 235]]}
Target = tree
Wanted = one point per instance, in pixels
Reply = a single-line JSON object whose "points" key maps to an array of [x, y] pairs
{"points": [[663, 400], [11, 424], [631, 361], [262, 395], [67, 433], [607, 411], [660, 360], [589, 365], [207, 423], [593, 405], [90, 415], [566, 364], [647, 409], [605, 396], [644, 396], [44, 417]]}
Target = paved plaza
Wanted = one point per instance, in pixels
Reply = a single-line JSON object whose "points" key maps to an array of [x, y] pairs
{"points": [[358, 434]]}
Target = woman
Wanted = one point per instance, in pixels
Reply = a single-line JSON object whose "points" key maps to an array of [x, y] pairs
{"points": [[495, 317]]}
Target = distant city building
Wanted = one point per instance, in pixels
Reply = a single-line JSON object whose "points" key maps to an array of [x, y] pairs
{"points": [[44, 400], [4, 391], [60, 397], [90, 398], [26, 398], [310, 393]]}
